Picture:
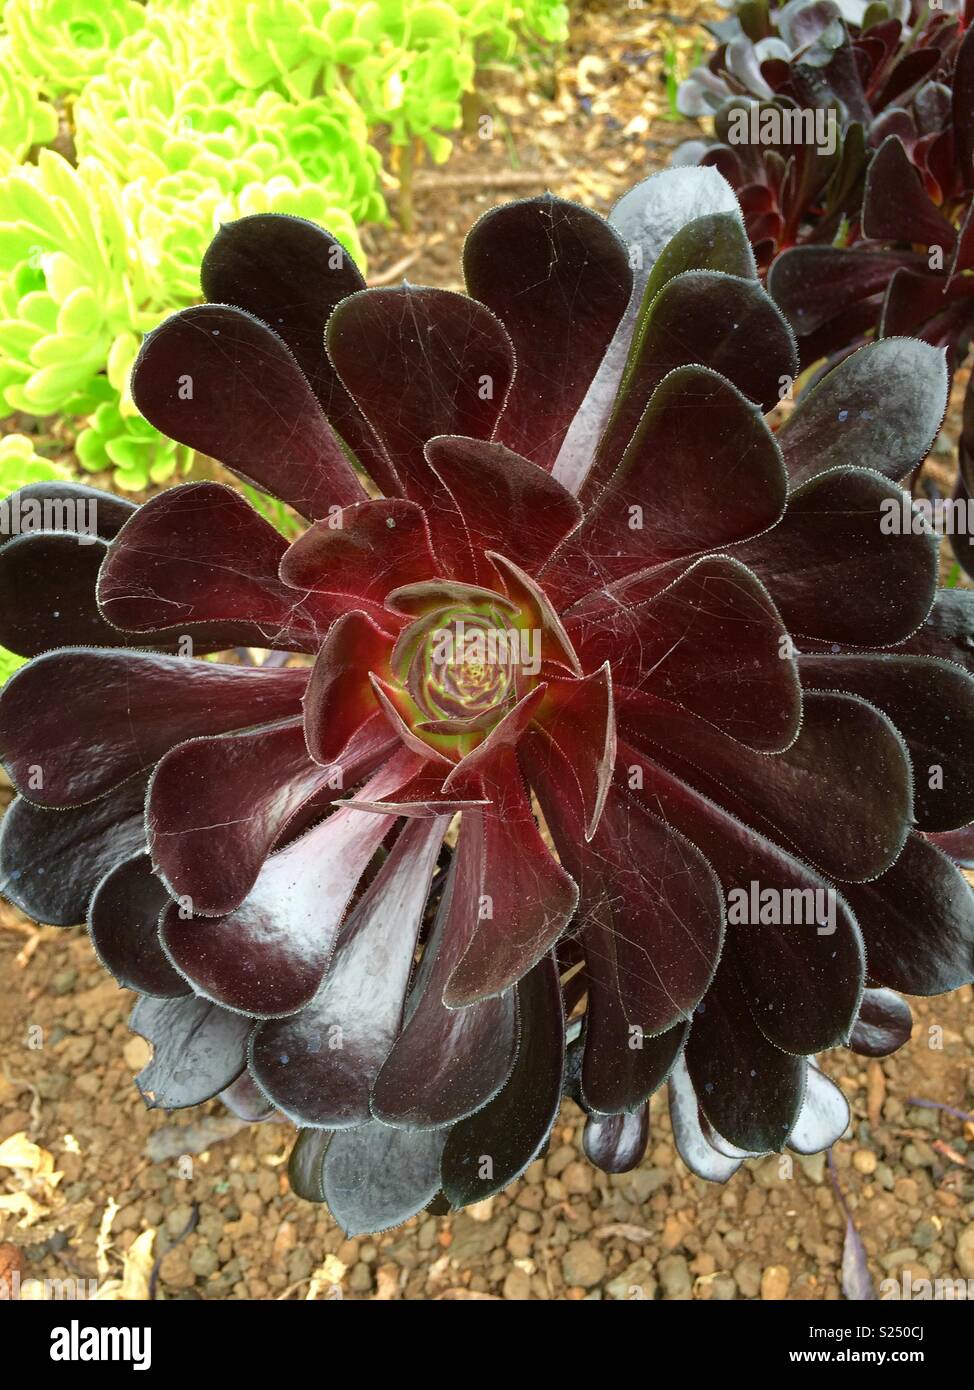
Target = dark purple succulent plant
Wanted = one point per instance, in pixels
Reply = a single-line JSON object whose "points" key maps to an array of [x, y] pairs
{"points": [[801, 97], [605, 755]]}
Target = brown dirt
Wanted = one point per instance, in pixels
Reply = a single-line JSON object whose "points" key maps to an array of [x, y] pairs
{"points": [[226, 1224]]}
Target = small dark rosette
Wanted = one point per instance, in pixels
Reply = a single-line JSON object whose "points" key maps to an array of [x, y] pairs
{"points": [[617, 737]]}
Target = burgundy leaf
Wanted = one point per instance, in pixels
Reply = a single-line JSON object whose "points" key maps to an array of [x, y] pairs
{"points": [[700, 317], [339, 698], [845, 528], [792, 938], [490, 1149], [702, 470], [884, 1024], [123, 923], [841, 795], [52, 861], [220, 381], [558, 278], [448, 1063], [125, 710], [268, 957], [896, 206], [750, 1090], [420, 362], [365, 551], [290, 274], [201, 554], [880, 407], [917, 921], [319, 1065], [501, 501], [648, 218], [932, 704], [707, 637], [652, 924], [526, 898], [217, 806]]}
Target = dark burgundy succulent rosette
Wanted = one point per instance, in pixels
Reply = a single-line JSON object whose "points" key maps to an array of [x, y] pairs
{"points": [[876, 69], [605, 652]]}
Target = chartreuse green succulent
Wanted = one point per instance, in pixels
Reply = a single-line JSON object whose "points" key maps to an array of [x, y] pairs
{"points": [[180, 117]]}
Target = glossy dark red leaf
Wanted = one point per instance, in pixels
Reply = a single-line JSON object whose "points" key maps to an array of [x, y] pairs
{"points": [[651, 918], [201, 554], [844, 530], [706, 636], [490, 1149], [917, 921], [319, 1065], [558, 278], [421, 362], [217, 806], [90, 718], [932, 704], [750, 1090], [448, 1063], [218, 380], [526, 899], [672, 222], [706, 318], [501, 501], [340, 698], [896, 207], [792, 938], [290, 274], [267, 958], [364, 551], [702, 470], [881, 408], [123, 923], [841, 796], [52, 861], [884, 1024]]}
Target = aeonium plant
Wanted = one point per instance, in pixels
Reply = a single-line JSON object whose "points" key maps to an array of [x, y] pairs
{"points": [[602, 733]]}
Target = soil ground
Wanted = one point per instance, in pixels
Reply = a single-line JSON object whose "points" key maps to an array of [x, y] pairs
{"points": [[197, 1206]]}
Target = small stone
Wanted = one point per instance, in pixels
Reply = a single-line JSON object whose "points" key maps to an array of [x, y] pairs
{"points": [[637, 1283], [204, 1262], [864, 1161], [578, 1179], [775, 1282], [748, 1276], [517, 1286], [925, 1234], [64, 981], [137, 1053], [674, 1275], [583, 1265], [360, 1278], [175, 1271], [965, 1252]]}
